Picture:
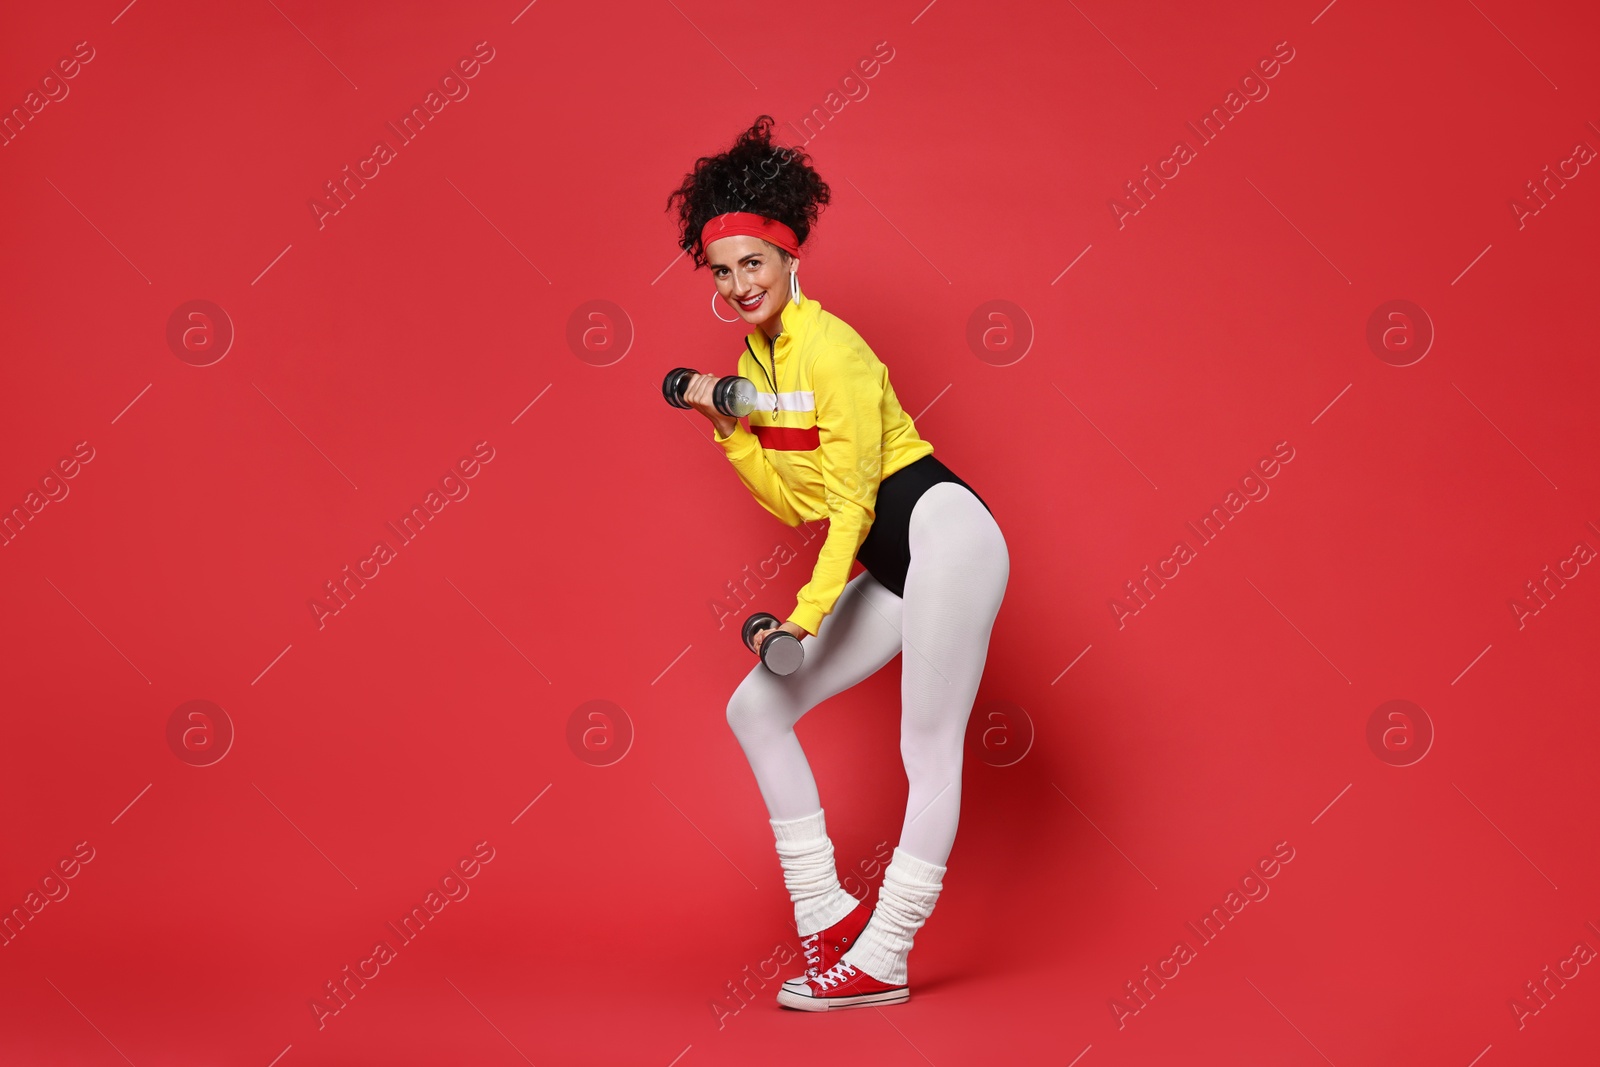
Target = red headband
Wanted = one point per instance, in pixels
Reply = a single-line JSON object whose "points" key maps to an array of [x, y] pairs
{"points": [[734, 223]]}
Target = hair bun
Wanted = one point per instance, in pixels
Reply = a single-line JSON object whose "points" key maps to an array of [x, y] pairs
{"points": [[753, 175]]}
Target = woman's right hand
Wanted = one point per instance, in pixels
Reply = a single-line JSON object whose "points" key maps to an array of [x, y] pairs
{"points": [[698, 395]]}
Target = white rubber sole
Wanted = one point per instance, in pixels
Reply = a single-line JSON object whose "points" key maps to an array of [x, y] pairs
{"points": [[864, 1000]]}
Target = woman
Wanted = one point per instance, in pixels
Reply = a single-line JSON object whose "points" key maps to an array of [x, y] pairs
{"points": [[828, 439]]}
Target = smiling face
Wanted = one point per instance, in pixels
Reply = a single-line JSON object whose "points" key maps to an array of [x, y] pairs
{"points": [[753, 277]]}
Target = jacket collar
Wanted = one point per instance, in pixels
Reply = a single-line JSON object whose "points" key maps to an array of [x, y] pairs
{"points": [[797, 315]]}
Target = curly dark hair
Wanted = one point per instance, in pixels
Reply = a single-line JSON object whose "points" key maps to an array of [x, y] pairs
{"points": [[753, 175]]}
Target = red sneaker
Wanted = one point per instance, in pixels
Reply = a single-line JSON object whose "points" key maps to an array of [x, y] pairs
{"points": [[823, 948], [840, 986]]}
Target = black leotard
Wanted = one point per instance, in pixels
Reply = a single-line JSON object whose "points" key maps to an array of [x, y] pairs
{"points": [[886, 552]]}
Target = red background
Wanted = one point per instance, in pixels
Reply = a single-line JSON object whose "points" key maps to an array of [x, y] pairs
{"points": [[373, 352]]}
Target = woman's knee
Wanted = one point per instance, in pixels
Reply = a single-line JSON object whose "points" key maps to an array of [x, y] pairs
{"points": [[754, 708], [930, 741], [741, 712]]}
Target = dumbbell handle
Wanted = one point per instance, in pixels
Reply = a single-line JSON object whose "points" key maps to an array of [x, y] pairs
{"points": [[779, 654], [732, 395]]}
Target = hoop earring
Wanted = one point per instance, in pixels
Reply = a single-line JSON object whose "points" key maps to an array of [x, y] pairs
{"points": [[715, 296], [794, 287]]}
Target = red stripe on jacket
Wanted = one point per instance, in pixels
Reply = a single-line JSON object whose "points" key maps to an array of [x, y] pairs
{"points": [[787, 438]]}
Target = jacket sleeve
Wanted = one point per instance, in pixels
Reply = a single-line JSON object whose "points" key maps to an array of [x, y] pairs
{"points": [[749, 461], [849, 395]]}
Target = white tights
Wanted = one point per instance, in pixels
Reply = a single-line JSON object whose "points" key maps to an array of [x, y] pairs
{"points": [[956, 580]]}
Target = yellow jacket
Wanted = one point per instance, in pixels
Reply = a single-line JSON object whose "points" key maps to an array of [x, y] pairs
{"points": [[826, 430]]}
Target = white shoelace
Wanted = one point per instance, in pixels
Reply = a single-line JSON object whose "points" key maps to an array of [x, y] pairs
{"points": [[812, 946], [835, 974]]}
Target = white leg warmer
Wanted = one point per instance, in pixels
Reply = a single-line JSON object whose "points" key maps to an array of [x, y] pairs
{"points": [[905, 900], [806, 853]]}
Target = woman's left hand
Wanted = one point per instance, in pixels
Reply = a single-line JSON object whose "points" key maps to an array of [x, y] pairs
{"points": [[788, 627]]}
